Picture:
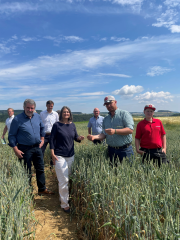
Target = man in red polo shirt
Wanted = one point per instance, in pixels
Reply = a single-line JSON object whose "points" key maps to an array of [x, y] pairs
{"points": [[151, 137]]}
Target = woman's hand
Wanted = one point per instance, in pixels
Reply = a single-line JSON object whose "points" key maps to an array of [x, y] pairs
{"points": [[80, 138], [54, 159]]}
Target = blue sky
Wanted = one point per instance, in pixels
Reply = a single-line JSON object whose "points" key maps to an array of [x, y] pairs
{"points": [[76, 52]]}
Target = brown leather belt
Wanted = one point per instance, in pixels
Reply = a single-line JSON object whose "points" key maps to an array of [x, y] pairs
{"points": [[124, 146], [48, 133]]}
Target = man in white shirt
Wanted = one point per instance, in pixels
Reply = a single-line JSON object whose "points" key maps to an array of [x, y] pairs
{"points": [[49, 117], [10, 112]]}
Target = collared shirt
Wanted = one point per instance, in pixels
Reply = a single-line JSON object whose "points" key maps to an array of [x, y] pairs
{"points": [[96, 124], [25, 130], [150, 133], [121, 119], [8, 122], [49, 119]]}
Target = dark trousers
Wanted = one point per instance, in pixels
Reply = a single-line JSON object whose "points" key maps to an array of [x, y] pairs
{"points": [[46, 141], [118, 154], [154, 154], [34, 154], [97, 141]]}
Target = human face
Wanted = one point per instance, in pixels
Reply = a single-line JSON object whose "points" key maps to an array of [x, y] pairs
{"points": [[65, 114], [29, 109], [50, 107], [111, 106], [96, 112], [10, 112], [149, 113]]}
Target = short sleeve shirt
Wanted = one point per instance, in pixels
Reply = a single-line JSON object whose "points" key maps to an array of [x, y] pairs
{"points": [[150, 133], [96, 125], [121, 119], [8, 122], [49, 119]]}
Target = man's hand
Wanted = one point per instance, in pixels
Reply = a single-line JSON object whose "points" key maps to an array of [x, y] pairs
{"points": [[18, 153], [54, 159], [110, 131], [164, 150], [41, 144], [80, 138], [2, 136], [90, 137], [140, 152]]}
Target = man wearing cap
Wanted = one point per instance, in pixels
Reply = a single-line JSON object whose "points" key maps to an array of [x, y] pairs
{"points": [[49, 117], [151, 137], [96, 124], [10, 112], [117, 129]]}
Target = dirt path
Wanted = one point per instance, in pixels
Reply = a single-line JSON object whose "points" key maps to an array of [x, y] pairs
{"points": [[53, 222]]}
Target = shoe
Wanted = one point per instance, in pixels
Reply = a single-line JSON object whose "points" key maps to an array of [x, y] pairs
{"points": [[46, 192], [67, 211]]}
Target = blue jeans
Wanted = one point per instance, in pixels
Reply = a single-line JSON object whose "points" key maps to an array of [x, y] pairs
{"points": [[34, 154], [118, 154]]}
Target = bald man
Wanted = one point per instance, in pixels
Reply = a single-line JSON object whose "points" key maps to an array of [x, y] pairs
{"points": [[96, 124]]}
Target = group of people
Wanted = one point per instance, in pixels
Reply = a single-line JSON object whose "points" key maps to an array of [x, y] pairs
{"points": [[29, 134]]}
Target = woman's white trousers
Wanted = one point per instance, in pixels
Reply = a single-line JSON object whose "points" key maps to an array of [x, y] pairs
{"points": [[63, 171]]}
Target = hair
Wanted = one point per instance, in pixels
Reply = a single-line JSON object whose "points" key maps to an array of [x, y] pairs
{"points": [[58, 111], [62, 109], [49, 102], [30, 101], [11, 109]]}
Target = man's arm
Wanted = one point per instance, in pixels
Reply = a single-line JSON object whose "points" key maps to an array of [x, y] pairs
{"points": [[100, 136], [137, 144], [89, 130], [164, 143], [4, 131], [124, 131], [42, 142]]}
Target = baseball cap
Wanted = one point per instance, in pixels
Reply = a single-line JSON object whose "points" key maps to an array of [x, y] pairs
{"points": [[108, 99], [151, 106]]}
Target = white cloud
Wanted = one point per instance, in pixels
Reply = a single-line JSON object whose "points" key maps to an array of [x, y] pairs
{"points": [[29, 39], [175, 28], [119, 39], [128, 90], [90, 94], [57, 40], [47, 67], [172, 3], [103, 39], [157, 70], [168, 18], [72, 5], [155, 97], [113, 75], [73, 39]]}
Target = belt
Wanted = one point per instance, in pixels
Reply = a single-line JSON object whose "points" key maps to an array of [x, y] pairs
{"points": [[29, 146], [48, 133], [124, 146]]}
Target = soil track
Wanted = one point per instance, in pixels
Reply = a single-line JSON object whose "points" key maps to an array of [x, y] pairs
{"points": [[53, 222]]}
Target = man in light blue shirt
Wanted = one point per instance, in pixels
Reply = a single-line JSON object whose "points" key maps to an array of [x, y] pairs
{"points": [[117, 129], [96, 124]]}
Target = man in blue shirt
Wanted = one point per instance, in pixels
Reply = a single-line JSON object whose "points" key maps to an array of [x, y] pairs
{"points": [[96, 124], [26, 137], [117, 129]]}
